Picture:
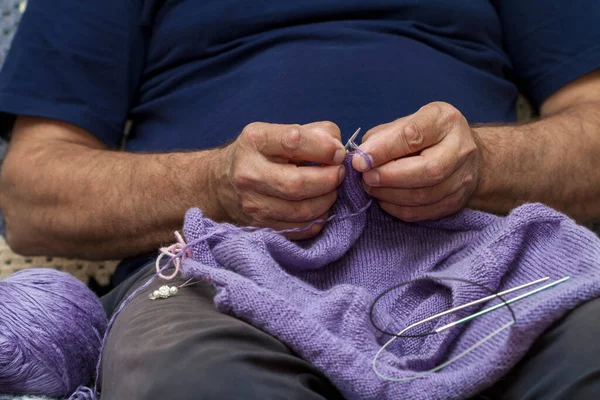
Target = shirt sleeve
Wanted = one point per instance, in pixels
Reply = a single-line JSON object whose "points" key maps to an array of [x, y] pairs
{"points": [[550, 42], [75, 61]]}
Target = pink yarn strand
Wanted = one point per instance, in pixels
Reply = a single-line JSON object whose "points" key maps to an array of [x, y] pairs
{"points": [[178, 252]]}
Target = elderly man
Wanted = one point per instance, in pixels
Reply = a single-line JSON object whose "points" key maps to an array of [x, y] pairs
{"points": [[240, 108]]}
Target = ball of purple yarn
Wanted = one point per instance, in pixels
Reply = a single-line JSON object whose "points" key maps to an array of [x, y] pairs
{"points": [[51, 329]]}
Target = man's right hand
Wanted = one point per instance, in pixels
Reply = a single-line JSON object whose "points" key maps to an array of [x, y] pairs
{"points": [[265, 177], [64, 193]]}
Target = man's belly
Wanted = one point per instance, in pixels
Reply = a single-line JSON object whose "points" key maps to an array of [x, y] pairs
{"points": [[353, 80]]}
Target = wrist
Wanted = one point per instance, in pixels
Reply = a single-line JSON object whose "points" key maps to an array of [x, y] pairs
{"points": [[481, 184], [494, 191], [218, 184]]}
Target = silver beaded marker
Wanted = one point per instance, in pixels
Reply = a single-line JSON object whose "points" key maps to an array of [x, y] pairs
{"points": [[164, 292]]}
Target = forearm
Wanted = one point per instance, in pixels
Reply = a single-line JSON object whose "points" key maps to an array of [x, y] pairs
{"points": [[554, 161], [99, 204]]}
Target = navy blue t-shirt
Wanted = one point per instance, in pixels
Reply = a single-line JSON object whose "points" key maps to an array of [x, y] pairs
{"points": [[192, 74]]}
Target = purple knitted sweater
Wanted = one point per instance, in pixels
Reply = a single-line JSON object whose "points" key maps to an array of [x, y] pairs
{"points": [[315, 295]]}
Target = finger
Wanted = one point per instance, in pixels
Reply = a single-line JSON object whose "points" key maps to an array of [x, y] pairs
{"points": [[373, 132], [327, 128], [296, 142], [269, 208], [432, 167], [307, 231], [443, 208], [289, 181], [420, 196], [406, 136], [281, 160]]}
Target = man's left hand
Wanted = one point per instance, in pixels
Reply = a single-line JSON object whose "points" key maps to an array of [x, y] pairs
{"points": [[426, 165]]}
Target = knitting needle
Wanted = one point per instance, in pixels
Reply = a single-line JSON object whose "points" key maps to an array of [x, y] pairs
{"points": [[473, 347], [487, 310], [452, 310], [187, 283], [351, 140], [439, 367]]}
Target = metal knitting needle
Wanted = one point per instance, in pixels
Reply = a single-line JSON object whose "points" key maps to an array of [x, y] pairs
{"points": [[187, 283], [487, 310], [473, 347], [351, 140], [472, 303]]}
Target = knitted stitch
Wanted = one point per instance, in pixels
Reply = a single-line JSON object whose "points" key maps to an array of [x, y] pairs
{"points": [[314, 295]]}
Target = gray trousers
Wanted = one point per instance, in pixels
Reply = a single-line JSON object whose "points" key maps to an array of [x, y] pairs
{"points": [[183, 349]]}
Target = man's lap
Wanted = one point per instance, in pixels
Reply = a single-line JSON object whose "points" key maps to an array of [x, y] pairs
{"points": [[183, 348]]}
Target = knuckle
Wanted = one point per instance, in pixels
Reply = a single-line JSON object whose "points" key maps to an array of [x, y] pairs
{"points": [[452, 115], [435, 172], [253, 132], [291, 138], [421, 196], [412, 136], [445, 111], [467, 182], [471, 149], [432, 108], [404, 213], [439, 106], [242, 178], [330, 127], [409, 215], [250, 206], [314, 230], [453, 204], [307, 212], [467, 186], [449, 113], [294, 187]]}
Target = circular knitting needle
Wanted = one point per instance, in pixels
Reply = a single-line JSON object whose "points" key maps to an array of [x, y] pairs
{"points": [[487, 310], [468, 318]]}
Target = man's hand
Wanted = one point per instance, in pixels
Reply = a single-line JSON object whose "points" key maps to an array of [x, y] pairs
{"points": [[426, 165], [63, 193], [265, 178]]}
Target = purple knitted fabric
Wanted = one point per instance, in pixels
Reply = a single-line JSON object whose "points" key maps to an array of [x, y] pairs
{"points": [[315, 295]]}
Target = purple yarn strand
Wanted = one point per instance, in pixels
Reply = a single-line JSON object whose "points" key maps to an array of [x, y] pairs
{"points": [[363, 154], [312, 223], [84, 393]]}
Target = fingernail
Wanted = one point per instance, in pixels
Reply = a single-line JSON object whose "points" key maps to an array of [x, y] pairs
{"points": [[371, 178], [339, 156], [341, 174]]}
